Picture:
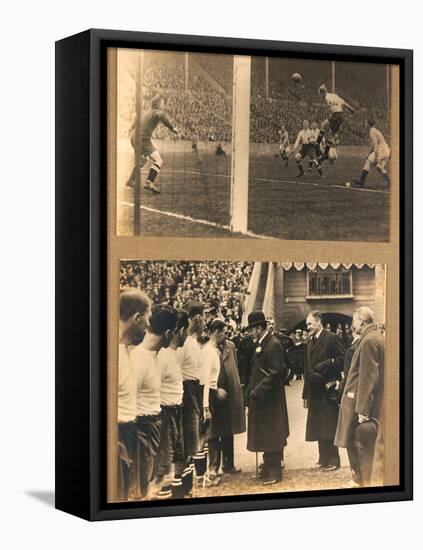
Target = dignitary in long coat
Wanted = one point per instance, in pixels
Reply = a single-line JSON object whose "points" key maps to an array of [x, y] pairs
{"points": [[268, 427], [361, 404], [324, 363], [229, 412]]}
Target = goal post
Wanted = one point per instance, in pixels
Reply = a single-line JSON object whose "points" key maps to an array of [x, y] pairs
{"points": [[138, 144], [240, 143]]}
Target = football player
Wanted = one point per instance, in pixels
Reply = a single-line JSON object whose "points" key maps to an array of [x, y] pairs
{"points": [[149, 121], [378, 156], [305, 147], [334, 122], [315, 134], [284, 148]]}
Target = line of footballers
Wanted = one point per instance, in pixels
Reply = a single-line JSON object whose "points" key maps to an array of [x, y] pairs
{"points": [[167, 393]]}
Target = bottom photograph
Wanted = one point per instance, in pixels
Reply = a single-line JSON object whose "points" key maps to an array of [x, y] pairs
{"points": [[238, 378]]}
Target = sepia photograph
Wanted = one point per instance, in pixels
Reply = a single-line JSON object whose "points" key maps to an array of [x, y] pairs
{"points": [[217, 145], [236, 378]]}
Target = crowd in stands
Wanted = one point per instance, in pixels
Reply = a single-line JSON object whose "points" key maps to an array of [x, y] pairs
{"points": [[220, 286], [200, 105]]}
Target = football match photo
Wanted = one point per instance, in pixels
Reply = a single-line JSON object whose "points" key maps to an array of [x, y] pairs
{"points": [[214, 145]]}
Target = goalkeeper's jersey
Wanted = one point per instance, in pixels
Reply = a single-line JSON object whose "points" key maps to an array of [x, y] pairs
{"points": [[151, 119]]}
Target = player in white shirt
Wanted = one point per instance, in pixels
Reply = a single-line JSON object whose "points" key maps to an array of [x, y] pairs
{"points": [[148, 377], [193, 383], [315, 134], [378, 156], [336, 106], [134, 315], [305, 147], [284, 147], [171, 448]]}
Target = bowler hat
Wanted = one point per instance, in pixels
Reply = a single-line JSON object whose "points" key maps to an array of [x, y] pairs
{"points": [[365, 434], [256, 318], [331, 393]]}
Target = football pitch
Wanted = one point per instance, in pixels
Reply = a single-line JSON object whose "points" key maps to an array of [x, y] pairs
{"points": [[195, 198]]}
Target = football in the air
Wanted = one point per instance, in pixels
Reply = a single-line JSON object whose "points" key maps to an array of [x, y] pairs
{"points": [[348, 184], [296, 77]]}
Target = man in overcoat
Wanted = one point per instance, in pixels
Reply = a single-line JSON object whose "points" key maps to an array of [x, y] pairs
{"points": [[268, 427], [229, 413], [324, 363], [361, 403]]}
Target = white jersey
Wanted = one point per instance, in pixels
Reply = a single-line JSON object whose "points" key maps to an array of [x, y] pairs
{"points": [[171, 389], [191, 359], [315, 134], [127, 387], [148, 377], [335, 103], [284, 139], [379, 145], [305, 137]]}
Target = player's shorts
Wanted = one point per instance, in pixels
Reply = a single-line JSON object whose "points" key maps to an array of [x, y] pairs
{"points": [[309, 151], [171, 448], [383, 158], [147, 146], [335, 121]]}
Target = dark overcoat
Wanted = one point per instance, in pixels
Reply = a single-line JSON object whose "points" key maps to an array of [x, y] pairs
{"points": [[228, 415], [363, 391], [268, 426], [324, 362]]}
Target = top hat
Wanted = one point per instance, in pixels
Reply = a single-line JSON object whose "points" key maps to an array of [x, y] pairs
{"points": [[256, 318]]}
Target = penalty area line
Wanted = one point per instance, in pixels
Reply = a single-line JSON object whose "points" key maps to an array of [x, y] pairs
{"points": [[183, 217]]}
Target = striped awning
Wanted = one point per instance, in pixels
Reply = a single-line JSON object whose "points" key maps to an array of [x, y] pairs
{"points": [[323, 265]]}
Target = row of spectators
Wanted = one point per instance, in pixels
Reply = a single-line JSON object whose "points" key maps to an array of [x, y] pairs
{"points": [[221, 286]]}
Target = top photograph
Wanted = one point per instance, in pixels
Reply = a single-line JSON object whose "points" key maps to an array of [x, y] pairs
{"points": [[216, 145]]}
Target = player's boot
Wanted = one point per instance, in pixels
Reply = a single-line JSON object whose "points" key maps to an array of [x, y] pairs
{"points": [[130, 182], [151, 187], [357, 183]]}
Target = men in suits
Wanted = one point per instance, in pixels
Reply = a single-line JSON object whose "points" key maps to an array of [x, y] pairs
{"points": [[361, 404], [268, 427], [324, 362], [229, 415]]}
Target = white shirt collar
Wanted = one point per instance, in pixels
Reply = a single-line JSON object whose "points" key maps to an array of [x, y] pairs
{"points": [[319, 333]]}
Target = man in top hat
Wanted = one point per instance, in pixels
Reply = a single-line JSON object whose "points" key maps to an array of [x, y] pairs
{"points": [[324, 363], [268, 427], [361, 404]]}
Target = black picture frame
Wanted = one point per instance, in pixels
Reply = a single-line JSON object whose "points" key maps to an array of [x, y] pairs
{"points": [[81, 257]]}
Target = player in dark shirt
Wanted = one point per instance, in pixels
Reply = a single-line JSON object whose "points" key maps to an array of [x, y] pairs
{"points": [[149, 122]]}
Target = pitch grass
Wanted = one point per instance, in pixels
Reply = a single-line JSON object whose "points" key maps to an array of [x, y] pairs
{"points": [[279, 205]]}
